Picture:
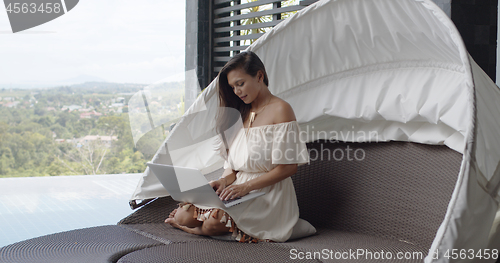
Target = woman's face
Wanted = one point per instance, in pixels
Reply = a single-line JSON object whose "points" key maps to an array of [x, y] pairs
{"points": [[245, 86]]}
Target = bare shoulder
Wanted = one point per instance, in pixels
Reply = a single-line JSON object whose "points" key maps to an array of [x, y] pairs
{"points": [[283, 112]]}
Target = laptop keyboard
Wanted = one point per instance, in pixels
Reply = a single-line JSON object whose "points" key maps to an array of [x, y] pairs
{"points": [[232, 200]]}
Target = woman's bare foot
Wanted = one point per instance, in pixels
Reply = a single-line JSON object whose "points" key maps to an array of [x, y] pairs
{"points": [[171, 220], [183, 217], [172, 214], [183, 220]]}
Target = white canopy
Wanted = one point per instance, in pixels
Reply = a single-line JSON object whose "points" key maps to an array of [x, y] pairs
{"points": [[373, 70]]}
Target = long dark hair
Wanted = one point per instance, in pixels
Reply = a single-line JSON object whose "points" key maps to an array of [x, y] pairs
{"points": [[251, 64]]}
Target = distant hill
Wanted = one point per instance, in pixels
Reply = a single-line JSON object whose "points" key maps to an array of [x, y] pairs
{"points": [[89, 88], [113, 88], [81, 79], [49, 84], [87, 82], [101, 88]]}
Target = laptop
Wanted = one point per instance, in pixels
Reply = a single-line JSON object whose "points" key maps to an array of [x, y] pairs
{"points": [[189, 185]]}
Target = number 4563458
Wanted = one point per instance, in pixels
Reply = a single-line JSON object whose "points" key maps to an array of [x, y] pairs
{"points": [[471, 254], [33, 8]]}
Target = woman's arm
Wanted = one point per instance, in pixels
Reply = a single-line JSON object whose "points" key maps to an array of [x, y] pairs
{"points": [[277, 174], [229, 175], [227, 178], [283, 113]]}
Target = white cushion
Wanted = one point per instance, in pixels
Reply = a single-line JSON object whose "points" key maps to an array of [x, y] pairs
{"points": [[302, 229]]}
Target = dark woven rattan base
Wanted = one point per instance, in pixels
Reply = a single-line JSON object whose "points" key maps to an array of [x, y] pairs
{"points": [[158, 210], [97, 244], [211, 252], [325, 246], [396, 190], [348, 246], [164, 233], [374, 197], [153, 212]]}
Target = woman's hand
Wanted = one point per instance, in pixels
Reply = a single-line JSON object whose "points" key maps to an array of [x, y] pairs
{"points": [[234, 191], [218, 185]]}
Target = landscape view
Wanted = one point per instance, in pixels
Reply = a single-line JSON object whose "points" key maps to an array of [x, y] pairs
{"points": [[79, 129]]}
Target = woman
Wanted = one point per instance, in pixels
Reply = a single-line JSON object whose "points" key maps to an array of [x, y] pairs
{"points": [[262, 157]]}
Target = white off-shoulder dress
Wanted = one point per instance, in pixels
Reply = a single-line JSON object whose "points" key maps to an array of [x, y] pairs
{"points": [[254, 152]]}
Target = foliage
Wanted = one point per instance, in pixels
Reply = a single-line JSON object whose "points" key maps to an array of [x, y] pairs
{"points": [[39, 137], [254, 20], [288, 3], [262, 19]]}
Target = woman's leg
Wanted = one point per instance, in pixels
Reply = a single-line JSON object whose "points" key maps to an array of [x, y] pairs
{"points": [[213, 226], [183, 217], [210, 227]]}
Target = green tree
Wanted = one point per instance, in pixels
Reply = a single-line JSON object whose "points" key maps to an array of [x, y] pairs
{"points": [[40, 110], [262, 19], [61, 132], [112, 125], [288, 3], [4, 127], [83, 127], [87, 158], [56, 168], [65, 119], [27, 146], [45, 121], [7, 161]]}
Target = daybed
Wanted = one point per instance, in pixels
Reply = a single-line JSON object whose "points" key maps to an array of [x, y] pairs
{"points": [[390, 203]]}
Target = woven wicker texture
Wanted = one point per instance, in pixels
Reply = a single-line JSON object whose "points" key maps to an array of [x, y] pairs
{"points": [[392, 200], [399, 190], [337, 243], [97, 244], [211, 252], [388, 197], [164, 233], [339, 246], [155, 211], [158, 210]]}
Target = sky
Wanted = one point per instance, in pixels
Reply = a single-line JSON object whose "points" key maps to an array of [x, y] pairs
{"points": [[121, 41]]}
